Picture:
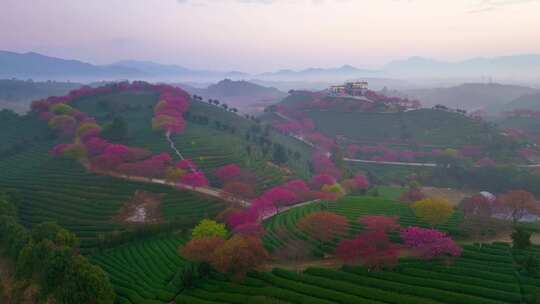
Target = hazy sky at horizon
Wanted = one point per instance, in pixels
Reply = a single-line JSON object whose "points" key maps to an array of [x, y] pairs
{"points": [[263, 35]]}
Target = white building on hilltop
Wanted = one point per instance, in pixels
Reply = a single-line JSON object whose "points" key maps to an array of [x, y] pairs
{"points": [[357, 88]]}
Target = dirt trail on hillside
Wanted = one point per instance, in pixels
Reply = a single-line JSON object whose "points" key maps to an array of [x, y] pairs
{"points": [[503, 237], [267, 216], [414, 164]]}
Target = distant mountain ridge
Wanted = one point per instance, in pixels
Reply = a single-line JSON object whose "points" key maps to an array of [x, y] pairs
{"points": [[504, 66], [345, 72], [522, 68], [34, 65], [42, 67], [157, 69]]}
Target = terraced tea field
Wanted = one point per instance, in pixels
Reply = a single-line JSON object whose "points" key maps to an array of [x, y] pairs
{"points": [[282, 228], [20, 132], [428, 127], [60, 190], [145, 271], [485, 275]]}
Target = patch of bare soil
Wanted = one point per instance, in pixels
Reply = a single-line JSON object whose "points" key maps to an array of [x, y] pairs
{"points": [[143, 208], [454, 196]]}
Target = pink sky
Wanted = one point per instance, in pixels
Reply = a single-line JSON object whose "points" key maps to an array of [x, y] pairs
{"points": [[262, 35]]}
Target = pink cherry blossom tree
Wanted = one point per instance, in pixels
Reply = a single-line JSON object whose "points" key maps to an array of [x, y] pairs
{"points": [[429, 243], [228, 172]]}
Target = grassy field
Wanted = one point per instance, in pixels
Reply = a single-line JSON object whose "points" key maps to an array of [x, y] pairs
{"points": [[388, 174], [387, 192], [282, 229], [486, 275]]}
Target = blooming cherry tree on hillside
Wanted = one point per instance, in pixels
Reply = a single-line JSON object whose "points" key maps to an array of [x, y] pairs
{"points": [[429, 243]]}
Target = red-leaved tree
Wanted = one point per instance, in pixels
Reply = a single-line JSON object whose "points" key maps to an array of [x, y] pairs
{"points": [[518, 204], [201, 250], [237, 189], [238, 255], [362, 181], [228, 172], [193, 179], [319, 180], [380, 223], [241, 217], [324, 226], [373, 249], [254, 229], [281, 196], [478, 220]]}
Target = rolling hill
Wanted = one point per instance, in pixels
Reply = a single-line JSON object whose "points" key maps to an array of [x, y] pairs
{"points": [[62, 190], [524, 102], [244, 95], [17, 95], [428, 127], [141, 259], [470, 96]]}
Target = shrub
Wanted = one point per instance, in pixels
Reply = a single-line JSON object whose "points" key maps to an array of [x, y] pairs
{"points": [[521, 238], [208, 229], [433, 211]]}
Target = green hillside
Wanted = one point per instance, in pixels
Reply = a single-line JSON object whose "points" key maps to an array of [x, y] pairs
{"points": [[425, 126], [17, 94], [53, 189], [355, 121], [142, 261], [213, 136], [18, 133], [529, 101], [527, 124]]}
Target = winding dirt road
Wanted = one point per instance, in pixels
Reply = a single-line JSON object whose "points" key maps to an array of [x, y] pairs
{"points": [[366, 161]]}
